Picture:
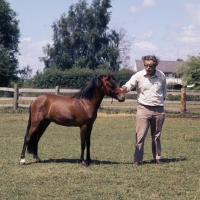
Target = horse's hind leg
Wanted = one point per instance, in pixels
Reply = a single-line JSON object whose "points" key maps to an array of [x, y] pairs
{"points": [[38, 135], [22, 160], [30, 138], [30, 131]]}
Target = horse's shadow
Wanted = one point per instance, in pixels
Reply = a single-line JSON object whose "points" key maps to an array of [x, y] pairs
{"points": [[65, 160], [105, 162]]}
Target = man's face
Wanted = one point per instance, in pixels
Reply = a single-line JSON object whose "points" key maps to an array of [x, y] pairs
{"points": [[150, 67]]}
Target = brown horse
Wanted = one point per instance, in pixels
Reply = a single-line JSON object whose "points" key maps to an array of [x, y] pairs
{"points": [[79, 110]]}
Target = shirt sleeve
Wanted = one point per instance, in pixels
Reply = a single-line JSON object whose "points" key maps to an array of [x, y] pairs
{"points": [[164, 87], [131, 83]]}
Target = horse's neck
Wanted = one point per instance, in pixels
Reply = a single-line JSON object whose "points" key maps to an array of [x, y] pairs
{"points": [[97, 99]]}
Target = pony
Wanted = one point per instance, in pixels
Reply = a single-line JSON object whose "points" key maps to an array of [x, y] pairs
{"points": [[78, 110]]}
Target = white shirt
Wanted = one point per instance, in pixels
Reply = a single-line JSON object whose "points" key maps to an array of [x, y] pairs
{"points": [[151, 90]]}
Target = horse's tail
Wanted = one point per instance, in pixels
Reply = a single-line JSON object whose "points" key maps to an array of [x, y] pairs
{"points": [[32, 139]]}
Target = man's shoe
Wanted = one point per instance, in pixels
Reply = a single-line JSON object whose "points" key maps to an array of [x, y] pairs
{"points": [[158, 161], [136, 163]]}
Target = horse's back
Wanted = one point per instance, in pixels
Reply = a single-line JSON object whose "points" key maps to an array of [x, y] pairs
{"points": [[48, 100]]}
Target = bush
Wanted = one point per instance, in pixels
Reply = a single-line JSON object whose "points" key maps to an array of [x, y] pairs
{"points": [[6, 94], [173, 85], [123, 76], [74, 78]]}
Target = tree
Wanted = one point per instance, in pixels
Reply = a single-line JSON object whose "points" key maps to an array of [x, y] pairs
{"points": [[9, 40], [4, 71], [189, 70], [82, 38], [25, 73], [124, 48]]}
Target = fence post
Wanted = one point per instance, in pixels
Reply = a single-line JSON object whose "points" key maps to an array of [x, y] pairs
{"points": [[57, 90], [183, 101], [16, 92]]}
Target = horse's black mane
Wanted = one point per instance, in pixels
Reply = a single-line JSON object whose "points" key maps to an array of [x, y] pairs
{"points": [[88, 90]]}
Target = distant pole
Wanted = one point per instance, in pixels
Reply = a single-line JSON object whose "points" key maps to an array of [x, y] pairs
{"points": [[183, 101], [57, 90], [16, 92]]}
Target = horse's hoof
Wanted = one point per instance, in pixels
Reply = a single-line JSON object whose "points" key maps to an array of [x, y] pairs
{"points": [[84, 164], [90, 164], [37, 159], [22, 162]]}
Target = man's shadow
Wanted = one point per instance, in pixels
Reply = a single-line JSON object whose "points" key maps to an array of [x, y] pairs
{"points": [[166, 160]]}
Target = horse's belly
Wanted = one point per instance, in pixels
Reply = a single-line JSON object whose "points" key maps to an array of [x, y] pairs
{"points": [[66, 121], [68, 124]]}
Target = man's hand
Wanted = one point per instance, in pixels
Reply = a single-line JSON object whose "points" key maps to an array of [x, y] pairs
{"points": [[123, 89]]}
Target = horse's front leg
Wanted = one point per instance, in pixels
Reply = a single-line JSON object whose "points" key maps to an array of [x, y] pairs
{"points": [[85, 140], [83, 134], [88, 135], [83, 163]]}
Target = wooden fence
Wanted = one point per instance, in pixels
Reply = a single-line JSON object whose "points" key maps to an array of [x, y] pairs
{"points": [[19, 91], [18, 94]]}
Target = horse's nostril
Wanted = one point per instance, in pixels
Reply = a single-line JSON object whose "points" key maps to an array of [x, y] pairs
{"points": [[122, 99]]}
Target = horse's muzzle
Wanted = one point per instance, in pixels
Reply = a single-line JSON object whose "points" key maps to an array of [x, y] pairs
{"points": [[122, 99], [120, 95]]}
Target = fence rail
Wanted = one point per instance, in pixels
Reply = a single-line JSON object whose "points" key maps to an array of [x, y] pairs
{"points": [[19, 91]]}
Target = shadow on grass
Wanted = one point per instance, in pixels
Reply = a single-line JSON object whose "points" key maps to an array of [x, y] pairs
{"points": [[104, 162], [65, 160], [165, 160]]}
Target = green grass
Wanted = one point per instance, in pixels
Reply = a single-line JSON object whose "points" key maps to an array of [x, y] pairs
{"points": [[60, 176]]}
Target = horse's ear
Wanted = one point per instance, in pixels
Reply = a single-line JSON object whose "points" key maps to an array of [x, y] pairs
{"points": [[107, 77], [110, 74], [103, 79]]}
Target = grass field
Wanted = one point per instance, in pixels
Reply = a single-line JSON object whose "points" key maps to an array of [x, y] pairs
{"points": [[113, 176]]}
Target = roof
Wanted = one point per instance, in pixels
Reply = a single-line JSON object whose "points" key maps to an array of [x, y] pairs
{"points": [[164, 66]]}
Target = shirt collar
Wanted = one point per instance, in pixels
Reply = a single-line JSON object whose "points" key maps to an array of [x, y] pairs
{"points": [[144, 73]]}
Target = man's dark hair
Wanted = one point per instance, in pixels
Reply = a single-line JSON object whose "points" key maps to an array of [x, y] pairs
{"points": [[155, 59]]}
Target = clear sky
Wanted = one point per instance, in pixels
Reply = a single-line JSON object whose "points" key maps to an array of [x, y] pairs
{"points": [[170, 29]]}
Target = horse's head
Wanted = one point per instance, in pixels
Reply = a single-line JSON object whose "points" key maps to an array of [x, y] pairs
{"points": [[110, 87]]}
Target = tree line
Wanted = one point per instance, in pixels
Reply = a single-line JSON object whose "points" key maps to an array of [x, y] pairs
{"points": [[82, 44], [81, 40]]}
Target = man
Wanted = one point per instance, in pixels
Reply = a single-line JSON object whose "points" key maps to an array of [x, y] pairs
{"points": [[151, 89]]}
